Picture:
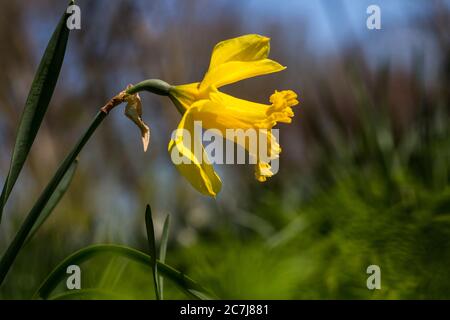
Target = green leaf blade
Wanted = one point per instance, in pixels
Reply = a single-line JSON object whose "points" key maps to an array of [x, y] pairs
{"points": [[36, 104], [58, 274], [22, 234], [54, 199], [152, 247], [162, 253]]}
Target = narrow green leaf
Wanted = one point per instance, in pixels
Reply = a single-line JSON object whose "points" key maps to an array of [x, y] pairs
{"points": [[54, 199], [36, 104], [185, 283], [152, 248], [22, 234], [162, 252]]}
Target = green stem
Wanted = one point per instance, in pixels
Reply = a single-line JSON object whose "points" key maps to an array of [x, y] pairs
{"points": [[155, 86], [18, 241], [152, 85]]}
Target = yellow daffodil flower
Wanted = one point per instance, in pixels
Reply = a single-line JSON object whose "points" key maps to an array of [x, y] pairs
{"points": [[231, 61]]}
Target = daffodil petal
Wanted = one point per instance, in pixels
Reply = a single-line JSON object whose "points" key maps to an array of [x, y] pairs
{"points": [[249, 47], [235, 71], [196, 168]]}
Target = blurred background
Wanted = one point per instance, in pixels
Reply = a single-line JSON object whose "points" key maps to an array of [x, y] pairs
{"points": [[364, 174]]}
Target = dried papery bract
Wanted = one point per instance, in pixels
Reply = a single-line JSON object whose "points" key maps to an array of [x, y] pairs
{"points": [[133, 111]]}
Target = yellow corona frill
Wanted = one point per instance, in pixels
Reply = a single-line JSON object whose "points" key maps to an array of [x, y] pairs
{"points": [[231, 61]]}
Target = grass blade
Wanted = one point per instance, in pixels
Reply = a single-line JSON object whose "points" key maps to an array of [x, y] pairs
{"points": [[54, 199], [162, 253], [152, 248], [36, 104], [189, 286]]}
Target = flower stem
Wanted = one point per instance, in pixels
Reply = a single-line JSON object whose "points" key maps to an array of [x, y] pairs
{"points": [[152, 85], [155, 86], [19, 239]]}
